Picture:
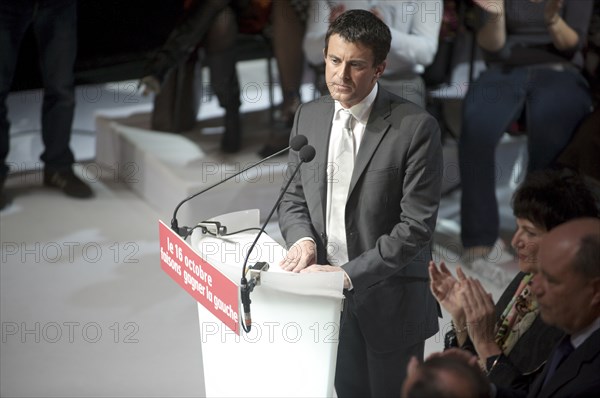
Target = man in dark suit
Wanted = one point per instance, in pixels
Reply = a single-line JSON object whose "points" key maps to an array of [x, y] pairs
{"points": [[567, 287], [379, 230], [54, 23]]}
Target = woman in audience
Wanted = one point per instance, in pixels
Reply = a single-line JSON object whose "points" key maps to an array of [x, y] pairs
{"points": [[212, 26], [533, 52], [510, 339]]}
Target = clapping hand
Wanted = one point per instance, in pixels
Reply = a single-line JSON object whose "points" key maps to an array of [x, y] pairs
{"points": [[480, 315], [447, 289]]}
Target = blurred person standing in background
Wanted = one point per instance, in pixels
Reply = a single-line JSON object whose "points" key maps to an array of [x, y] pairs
{"points": [[54, 23]]}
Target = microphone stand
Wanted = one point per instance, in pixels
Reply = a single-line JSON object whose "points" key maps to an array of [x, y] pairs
{"points": [[306, 154], [297, 143]]}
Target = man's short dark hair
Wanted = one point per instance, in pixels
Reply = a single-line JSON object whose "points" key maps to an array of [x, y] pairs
{"points": [[551, 197], [429, 384], [362, 26]]}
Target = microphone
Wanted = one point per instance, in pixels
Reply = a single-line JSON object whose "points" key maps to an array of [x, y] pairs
{"points": [[296, 144], [306, 154]]}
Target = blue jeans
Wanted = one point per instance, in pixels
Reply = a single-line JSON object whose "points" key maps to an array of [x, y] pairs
{"points": [[54, 24], [554, 103]]}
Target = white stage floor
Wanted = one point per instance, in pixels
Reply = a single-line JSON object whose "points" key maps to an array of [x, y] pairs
{"points": [[85, 308]]}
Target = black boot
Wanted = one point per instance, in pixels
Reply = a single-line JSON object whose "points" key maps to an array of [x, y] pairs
{"points": [[4, 199], [280, 130], [226, 86], [232, 139]]}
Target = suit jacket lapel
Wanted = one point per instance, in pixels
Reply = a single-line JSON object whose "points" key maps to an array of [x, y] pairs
{"points": [[374, 133], [570, 368], [321, 144]]}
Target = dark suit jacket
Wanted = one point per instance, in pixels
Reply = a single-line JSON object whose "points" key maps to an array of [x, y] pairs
{"points": [[390, 214], [577, 376]]}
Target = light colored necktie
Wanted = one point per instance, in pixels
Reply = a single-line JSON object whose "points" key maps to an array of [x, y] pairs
{"points": [[343, 164]]}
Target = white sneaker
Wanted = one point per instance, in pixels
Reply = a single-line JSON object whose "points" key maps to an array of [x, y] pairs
{"points": [[491, 272], [498, 254], [491, 267]]}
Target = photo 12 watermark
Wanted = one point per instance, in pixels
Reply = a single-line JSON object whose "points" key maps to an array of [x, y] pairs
{"points": [[69, 332], [69, 252]]}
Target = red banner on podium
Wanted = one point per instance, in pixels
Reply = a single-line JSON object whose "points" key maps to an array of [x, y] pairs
{"points": [[205, 283]]}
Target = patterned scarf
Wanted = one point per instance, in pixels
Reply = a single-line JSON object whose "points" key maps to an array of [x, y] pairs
{"points": [[518, 316]]}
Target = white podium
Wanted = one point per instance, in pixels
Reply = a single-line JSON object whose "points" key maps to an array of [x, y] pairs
{"points": [[291, 348]]}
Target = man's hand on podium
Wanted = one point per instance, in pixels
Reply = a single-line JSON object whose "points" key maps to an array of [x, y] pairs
{"points": [[329, 268], [301, 258], [301, 255]]}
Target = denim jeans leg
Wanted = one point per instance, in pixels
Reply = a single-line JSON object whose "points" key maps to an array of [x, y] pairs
{"points": [[491, 104], [15, 17], [55, 26], [557, 104]]}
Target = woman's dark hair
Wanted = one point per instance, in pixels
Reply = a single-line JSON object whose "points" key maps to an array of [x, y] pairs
{"points": [[549, 198], [362, 26]]}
